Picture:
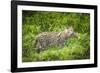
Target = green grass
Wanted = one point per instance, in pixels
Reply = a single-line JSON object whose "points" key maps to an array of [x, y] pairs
{"points": [[36, 22]]}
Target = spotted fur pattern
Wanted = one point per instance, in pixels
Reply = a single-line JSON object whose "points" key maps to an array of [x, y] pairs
{"points": [[46, 39]]}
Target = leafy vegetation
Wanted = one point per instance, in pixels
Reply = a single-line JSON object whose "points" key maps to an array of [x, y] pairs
{"points": [[35, 22]]}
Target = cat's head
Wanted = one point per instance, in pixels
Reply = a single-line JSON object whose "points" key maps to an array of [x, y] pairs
{"points": [[69, 31]]}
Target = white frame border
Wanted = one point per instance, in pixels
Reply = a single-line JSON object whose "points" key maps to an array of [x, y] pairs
{"points": [[53, 63]]}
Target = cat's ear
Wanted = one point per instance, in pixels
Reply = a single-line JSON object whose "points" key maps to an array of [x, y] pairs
{"points": [[67, 27], [70, 27]]}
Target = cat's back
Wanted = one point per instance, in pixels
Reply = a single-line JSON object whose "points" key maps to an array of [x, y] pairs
{"points": [[48, 34]]}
